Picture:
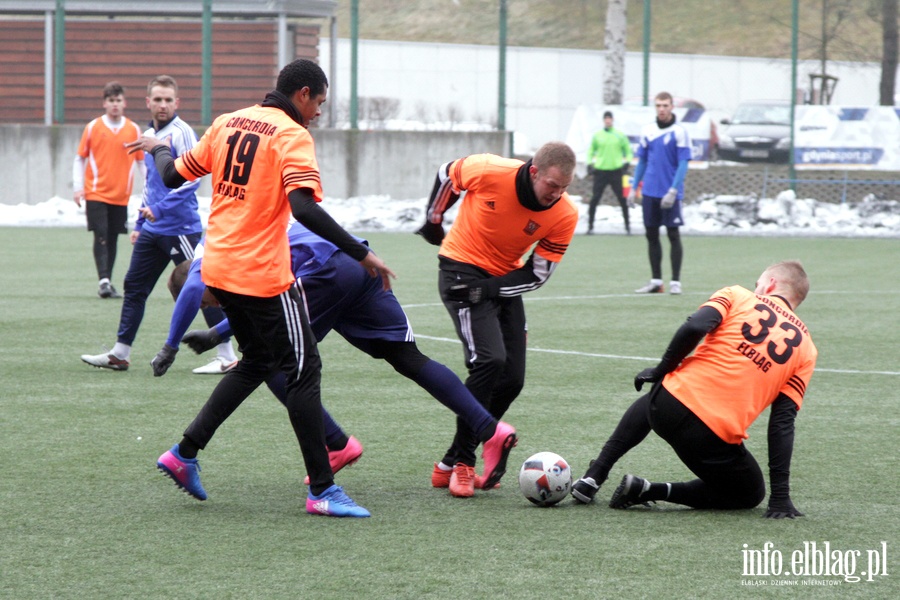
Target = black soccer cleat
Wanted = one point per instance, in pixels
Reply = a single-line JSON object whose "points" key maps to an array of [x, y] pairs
{"points": [[585, 489], [629, 492], [106, 290]]}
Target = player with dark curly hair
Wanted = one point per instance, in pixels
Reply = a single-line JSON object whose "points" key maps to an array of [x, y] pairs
{"points": [[264, 169]]}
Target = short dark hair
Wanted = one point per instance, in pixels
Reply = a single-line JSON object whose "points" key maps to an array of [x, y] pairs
{"points": [[608, 114], [162, 81], [300, 74], [113, 89], [178, 277]]}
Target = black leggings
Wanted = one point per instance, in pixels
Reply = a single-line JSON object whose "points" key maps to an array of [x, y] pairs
{"points": [[654, 248], [729, 476], [612, 179]]}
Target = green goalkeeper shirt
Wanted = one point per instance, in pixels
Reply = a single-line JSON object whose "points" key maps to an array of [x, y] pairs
{"points": [[609, 150]]}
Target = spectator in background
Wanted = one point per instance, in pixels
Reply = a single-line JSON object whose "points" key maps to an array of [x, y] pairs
{"points": [[663, 154], [102, 177], [608, 159]]}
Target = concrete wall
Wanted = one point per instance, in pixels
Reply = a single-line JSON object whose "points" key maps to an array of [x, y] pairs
{"points": [[545, 86], [36, 161]]}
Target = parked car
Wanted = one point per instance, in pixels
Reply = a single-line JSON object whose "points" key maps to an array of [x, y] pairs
{"points": [[759, 131]]}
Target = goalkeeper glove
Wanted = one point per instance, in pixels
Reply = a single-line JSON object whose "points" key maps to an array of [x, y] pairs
{"points": [[201, 340], [632, 194], [669, 199], [650, 375], [163, 360], [781, 508], [432, 232]]}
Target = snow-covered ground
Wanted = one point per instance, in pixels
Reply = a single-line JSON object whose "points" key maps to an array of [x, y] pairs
{"points": [[784, 215]]}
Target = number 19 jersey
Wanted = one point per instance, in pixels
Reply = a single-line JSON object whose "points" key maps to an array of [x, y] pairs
{"points": [[759, 350], [256, 156]]}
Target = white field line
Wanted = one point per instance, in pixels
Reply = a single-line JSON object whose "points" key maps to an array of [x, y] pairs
{"points": [[641, 358]]}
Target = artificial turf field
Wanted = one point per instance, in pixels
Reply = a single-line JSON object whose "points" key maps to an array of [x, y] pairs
{"points": [[85, 514]]}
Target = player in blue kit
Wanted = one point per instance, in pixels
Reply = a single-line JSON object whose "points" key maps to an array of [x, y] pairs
{"points": [[340, 295], [663, 154], [167, 229]]}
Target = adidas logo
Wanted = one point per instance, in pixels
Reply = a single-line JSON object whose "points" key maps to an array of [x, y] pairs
{"points": [[321, 506], [173, 251]]}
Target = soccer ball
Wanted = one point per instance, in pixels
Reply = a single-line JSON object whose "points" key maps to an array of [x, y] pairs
{"points": [[545, 478]]}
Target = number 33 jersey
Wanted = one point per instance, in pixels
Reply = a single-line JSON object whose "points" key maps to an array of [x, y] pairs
{"points": [[256, 156], [759, 350]]}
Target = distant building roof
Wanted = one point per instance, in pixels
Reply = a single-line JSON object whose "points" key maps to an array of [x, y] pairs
{"points": [[237, 8]]}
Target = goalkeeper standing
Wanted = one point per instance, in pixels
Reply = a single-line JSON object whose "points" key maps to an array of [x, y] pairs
{"points": [[663, 154], [608, 158], [509, 208]]}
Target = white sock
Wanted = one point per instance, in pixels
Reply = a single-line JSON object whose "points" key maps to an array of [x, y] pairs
{"points": [[444, 467], [656, 281], [121, 351], [226, 352], [104, 280]]}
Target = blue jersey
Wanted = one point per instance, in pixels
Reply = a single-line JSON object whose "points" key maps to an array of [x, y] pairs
{"points": [[309, 252], [663, 149], [175, 210], [339, 292]]}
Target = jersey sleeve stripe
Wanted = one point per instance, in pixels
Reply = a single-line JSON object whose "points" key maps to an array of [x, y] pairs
{"points": [[300, 178], [797, 383], [187, 134], [193, 166], [552, 247], [724, 302], [436, 214]]}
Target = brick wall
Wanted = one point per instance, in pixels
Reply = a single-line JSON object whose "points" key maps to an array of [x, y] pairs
{"points": [[132, 52]]}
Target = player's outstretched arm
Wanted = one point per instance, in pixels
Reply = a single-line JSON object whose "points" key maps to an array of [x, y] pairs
{"points": [[683, 343], [781, 447]]}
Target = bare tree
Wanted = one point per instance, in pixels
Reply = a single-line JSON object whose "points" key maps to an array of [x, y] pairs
{"points": [[889, 34], [614, 42]]}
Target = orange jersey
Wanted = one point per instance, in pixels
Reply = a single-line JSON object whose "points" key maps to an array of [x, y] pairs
{"points": [[759, 350], [108, 166], [256, 155], [492, 229]]}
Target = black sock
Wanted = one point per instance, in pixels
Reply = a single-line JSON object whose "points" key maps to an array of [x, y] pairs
{"points": [[657, 491], [338, 443], [187, 448], [489, 432]]}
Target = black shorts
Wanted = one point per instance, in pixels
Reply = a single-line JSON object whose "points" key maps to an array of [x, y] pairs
{"points": [[101, 216]]}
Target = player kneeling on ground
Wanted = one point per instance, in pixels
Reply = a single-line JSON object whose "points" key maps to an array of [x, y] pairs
{"points": [[755, 353]]}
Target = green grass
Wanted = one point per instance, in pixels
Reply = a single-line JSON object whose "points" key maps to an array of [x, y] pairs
{"points": [[85, 514]]}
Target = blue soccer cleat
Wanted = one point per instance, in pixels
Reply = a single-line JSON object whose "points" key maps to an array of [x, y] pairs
{"points": [[333, 502], [185, 472]]}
